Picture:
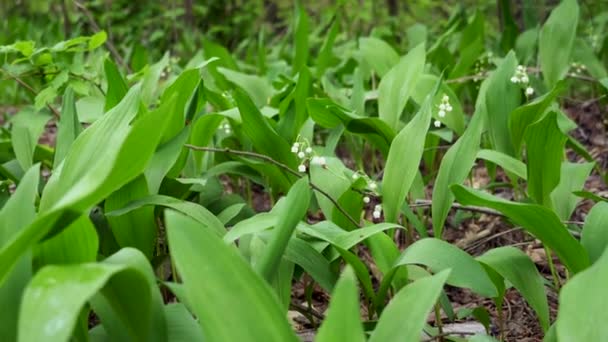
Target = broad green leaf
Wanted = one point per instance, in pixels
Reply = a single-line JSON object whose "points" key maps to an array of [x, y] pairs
{"points": [[191, 209], [517, 268], [595, 231], [296, 206], [342, 321], [439, 255], [28, 126], [403, 160], [68, 128], [166, 157], [537, 220], [117, 87], [502, 97], [505, 161], [45, 97], [326, 55], [258, 88], [471, 45], [526, 44], [230, 213], [405, 316], [378, 54], [90, 108], [583, 302], [556, 40], [572, 178], [329, 180], [263, 136], [544, 149], [125, 282], [361, 271], [327, 113], [396, 86], [77, 243], [301, 28], [525, 115], [149, 87], [314, 263], [293, 108], [181, 326], [136, 228], [17, 213], [584, 54], [181, 91], [217, 281], [97, 40], [203, 130], [456, 164], [329, 232]]}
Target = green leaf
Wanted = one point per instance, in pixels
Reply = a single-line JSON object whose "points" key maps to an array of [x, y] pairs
{"points": [[216, 277], [149, 87], [295, 207], [556, 40], [584, 54], [537, 220], [342, 321], [68, 129], [405, 316], [193, 210], [258, 88], [263, 136], [517, 268], [314, 263], [77, 243], [181, 326], [97, 40], [182, 90], [45, 97], [396, 86], [326, 56], [203, 131], [166, 157], [583, 302], [502, 97], [505, 161], [572, 178], [17, 213], [136, 228], [329, 232], [300, 38], [125, 283], [117, 87], [403, 160], [544, 149], [327, 113], [594, 237], [456, 164], [378, 54], [522, 117], [28, 126], [439, 255]]}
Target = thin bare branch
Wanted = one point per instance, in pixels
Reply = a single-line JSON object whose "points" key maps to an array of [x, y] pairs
{"points": [[280, 165]]}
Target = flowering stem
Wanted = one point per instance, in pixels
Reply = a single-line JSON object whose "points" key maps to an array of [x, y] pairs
{"points": [[280, 165]]}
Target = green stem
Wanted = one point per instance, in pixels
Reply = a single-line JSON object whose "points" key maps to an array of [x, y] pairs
{"points": [[554, 274]]}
